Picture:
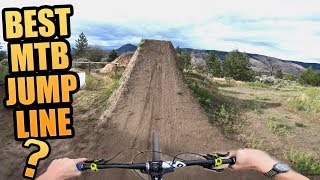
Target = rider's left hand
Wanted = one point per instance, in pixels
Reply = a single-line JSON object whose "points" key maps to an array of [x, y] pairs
{"points": [[61, 169]]}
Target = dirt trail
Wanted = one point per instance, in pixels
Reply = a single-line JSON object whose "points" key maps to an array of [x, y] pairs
{"points": [[152, 96]]}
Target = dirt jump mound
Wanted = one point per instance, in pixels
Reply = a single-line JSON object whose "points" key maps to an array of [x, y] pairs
{"points": [[154, 96], [119, 64]]}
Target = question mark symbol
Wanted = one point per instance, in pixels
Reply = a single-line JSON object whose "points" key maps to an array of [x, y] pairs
{"points": [[33, 159]]}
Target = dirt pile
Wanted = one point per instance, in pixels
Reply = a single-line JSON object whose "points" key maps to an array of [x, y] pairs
{"points": [[119, 64]]}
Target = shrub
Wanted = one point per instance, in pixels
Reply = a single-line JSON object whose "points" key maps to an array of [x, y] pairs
{"points": [[308, 100], [95, 53], [140, 44], [115, 75], [4, 70], [304, 163], [92, 83], [310, 77], [276, 127], [253, 141], [279, 74], [290, 78], [271, 80]]}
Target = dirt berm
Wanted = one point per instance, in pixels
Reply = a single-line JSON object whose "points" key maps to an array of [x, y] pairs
{"points": [[154, 96]]}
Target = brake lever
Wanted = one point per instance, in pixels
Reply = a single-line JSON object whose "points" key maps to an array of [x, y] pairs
{"points": [[96, 161], [215, 157]]}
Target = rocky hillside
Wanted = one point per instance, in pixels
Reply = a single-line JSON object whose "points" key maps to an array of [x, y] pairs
{"points": [[260, 63]]}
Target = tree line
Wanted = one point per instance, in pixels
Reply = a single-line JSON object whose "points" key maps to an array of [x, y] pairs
{"points": [[236, 66], [92, 53]]}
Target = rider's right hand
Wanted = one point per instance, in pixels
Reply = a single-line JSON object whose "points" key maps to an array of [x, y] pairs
{"points": [[252, 159], [262, 162]]}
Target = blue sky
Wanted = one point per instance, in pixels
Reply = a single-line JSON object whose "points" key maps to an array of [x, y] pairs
{"points": [[287, 29]]}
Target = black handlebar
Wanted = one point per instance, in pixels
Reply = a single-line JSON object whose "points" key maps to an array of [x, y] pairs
{"points": [[85, 166], [143, 166]]}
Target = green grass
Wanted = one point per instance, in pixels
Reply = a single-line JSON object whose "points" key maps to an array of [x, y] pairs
{"points": [[226, 118], [274, 118], [263, 97], [213, 102], [255, 85], [258, 108], [203, 95], [115, 75], [93, 83], [308, 100], [106, 92], [112, 87], [278, 128], [300, 124], [304, 163], [252, 141], [80, 108], [94, 100], [140, 44]]}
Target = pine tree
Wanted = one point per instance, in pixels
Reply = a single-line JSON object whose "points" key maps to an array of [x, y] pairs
{"points": [[236, 65], [178, 50], [279, 74], [214, 65], [81, 47], [186, 60], [112, 55]]}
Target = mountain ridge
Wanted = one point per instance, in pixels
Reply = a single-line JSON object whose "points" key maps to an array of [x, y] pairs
{"points": [[258, 62]]}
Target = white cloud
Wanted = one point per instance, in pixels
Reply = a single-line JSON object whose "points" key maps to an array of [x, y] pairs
{"points": [[291, 26]]}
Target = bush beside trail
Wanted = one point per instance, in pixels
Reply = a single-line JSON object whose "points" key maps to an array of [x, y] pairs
{"points": [[4, 70]]}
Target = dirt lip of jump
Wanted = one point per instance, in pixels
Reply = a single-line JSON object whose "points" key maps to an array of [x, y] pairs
{"points": [[154, 96]]}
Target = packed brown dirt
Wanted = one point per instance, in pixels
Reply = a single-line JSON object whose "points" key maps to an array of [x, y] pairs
{"points": [[152, 96]]}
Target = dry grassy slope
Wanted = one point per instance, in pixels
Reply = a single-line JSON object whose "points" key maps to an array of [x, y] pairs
{"points": [[153, 96]]}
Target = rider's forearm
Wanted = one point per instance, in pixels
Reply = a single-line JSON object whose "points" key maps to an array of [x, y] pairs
{"points": [[268, 164], [290, 175], [47, 176]]}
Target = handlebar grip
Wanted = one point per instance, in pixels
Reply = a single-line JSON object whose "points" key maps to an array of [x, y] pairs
{"points": [[80, 167], [230, 161]]}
